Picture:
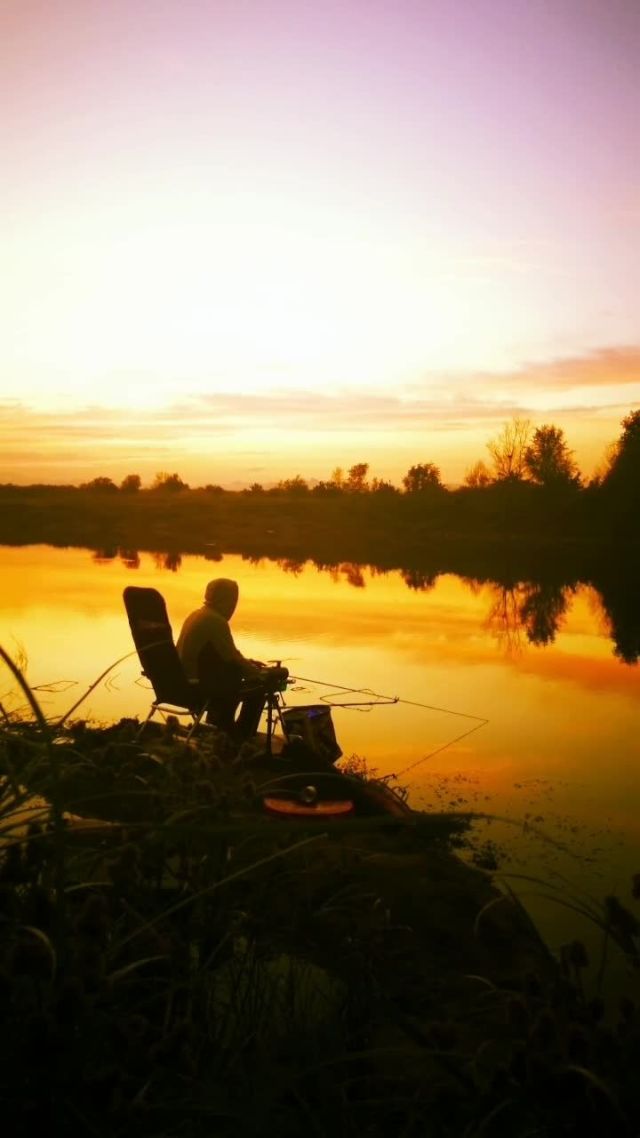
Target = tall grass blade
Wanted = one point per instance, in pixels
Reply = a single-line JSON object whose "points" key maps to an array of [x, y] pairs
{"points": [[217, 885]]}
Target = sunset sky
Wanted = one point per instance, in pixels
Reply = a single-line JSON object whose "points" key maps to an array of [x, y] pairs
{"points": [[243, 239]]}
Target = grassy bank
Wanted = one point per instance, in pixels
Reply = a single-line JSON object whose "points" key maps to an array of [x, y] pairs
{"points": [[192, 966]]}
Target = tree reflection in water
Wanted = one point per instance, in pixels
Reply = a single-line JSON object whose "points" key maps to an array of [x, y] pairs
{"points": [[353, 574], [503, 620], [419, 580], [533, 609], [526, 611], [170, 561], [542, 610], [290, 565], [130, 558], [108, 553], [619, 596]]}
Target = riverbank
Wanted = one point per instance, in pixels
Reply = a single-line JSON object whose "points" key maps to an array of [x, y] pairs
{"points": [[198, 965], [491, 538], [516, 526]]}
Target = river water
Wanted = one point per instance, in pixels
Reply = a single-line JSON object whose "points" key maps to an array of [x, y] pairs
{"points": [[556, 766]]}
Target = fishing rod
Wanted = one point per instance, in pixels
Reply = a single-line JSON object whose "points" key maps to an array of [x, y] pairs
{"points": [[387, 699], [381, 700]]}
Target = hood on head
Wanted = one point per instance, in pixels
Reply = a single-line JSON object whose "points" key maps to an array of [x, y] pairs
{"points": [[222, 595]]}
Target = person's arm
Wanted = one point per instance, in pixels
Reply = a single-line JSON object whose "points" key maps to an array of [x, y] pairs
{"points": [[224, 645]]}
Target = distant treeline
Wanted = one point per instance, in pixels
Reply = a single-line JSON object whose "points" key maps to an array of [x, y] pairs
{"points": [[533, 502], [539, 456]]}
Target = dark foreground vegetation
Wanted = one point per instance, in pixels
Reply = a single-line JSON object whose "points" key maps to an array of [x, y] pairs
{"points": [[190, 966]]}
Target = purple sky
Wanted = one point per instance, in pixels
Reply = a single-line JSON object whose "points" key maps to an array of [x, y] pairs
{"points": [[435, 202]]}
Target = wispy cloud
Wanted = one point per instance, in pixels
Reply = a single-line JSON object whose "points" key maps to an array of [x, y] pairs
{"points": [[606, 367], [602, 368]]}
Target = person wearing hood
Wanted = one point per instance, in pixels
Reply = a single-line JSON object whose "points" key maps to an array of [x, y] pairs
{"points": [[211, 660]]}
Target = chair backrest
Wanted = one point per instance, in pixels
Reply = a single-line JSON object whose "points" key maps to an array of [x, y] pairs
{"points": [[153, 638]]}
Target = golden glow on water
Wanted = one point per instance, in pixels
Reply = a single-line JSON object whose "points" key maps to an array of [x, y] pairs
{"points": [[561, 742]]}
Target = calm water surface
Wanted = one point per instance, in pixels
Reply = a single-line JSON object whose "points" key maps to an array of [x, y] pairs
{"points": [[560, 753]]}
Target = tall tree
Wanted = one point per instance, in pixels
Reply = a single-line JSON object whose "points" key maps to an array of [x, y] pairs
{"points": [[624, 472], [296, 485], [131, 484], [604, 467], [548, 460], [382, 486], [424, 476], [100, 485], [478, 475], [508, 450], [357, 480], [171, 482]]}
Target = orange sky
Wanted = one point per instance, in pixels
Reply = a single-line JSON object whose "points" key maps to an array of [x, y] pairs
{"points": [[236, 439], [247, 241]]}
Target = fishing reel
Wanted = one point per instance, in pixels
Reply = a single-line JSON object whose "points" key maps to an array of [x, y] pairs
{"points": [[280, 681]]}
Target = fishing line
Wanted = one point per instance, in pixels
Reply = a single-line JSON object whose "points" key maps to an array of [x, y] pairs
{"points": [[480, 720], [392, 699], [443, 747]]}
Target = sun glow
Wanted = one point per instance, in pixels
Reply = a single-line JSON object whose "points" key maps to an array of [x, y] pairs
{"points": [[263, 201], [234, 293]]}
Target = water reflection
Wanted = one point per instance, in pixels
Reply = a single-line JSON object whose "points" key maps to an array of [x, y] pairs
{"points": [[171, 561], [289, 565], [534, 657], [130, 558], [542, 608], [418, 579], [529, 611], [353, 574], [545, 658], [620, 601]]}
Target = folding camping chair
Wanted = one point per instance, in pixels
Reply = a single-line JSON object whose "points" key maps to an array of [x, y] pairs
{"points": [[153, 638], [174, 695]]}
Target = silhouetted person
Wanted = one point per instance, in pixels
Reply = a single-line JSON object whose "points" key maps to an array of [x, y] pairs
{"points": [[211, 660]]}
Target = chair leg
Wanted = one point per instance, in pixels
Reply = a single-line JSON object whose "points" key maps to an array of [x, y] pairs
{"points": [[140, 731], [197, 719], [196, 723]]}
